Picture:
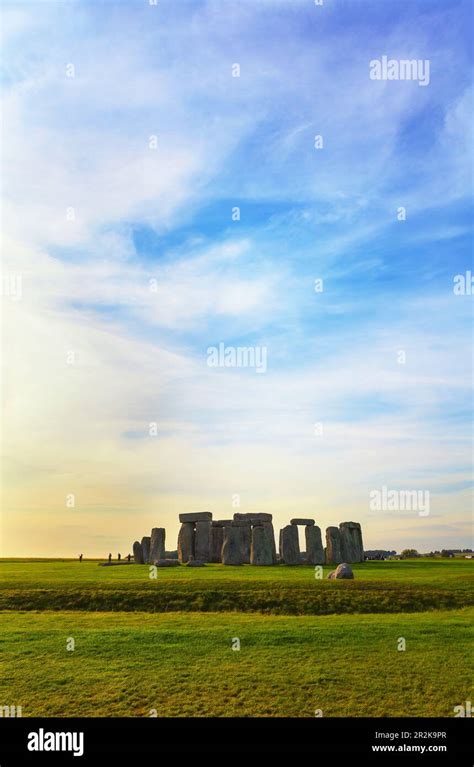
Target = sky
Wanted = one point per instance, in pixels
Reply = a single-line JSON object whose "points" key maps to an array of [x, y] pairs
{"points": [[182, 175]]}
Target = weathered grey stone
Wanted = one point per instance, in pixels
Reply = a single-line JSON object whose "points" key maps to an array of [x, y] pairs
{"points": [[166, 562], [196, 563], [186, 542], [115, 564], [146, 549], [157, 544], [352, 548], [261, 551], [253, 517], [232, 546], [196, 516], [302, 521], [289, 545], [358, 535], [246, 532], [217, 539], [138, 553], [361, 542], [202, 541], [240, 523], [314, 545], [342, 571], [333, 546], [221, 522], [271, 535], [171, 554]]}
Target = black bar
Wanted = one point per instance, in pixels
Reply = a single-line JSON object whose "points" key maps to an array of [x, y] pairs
{"points": [[130, 739]]}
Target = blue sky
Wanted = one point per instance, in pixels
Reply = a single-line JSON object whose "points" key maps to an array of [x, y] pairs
{"points": [[163, 217]]}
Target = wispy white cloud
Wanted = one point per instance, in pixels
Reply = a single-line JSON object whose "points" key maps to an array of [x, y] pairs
{"points": [[138, 321]]}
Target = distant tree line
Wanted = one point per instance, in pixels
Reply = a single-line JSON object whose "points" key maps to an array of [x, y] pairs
{"points": [[379, 554], [448, 553]]}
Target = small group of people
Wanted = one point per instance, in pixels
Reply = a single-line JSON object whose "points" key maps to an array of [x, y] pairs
{"points": [[119, 557]]}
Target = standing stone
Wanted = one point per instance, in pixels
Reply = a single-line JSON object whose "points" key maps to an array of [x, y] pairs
{"points": [[221, 522], [246, 532], [157, 544], [314, 545], [186, 542], [146, 549], [138, 553], [202, 541], [217, 539], [289, 545], [360, 541], [356, 532], [232, 546], [196, 516], [333, 546], [261, 551], [271, 536], [349, 544]]}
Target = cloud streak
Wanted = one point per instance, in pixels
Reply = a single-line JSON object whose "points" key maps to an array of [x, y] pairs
{"points": [[132, 265]]}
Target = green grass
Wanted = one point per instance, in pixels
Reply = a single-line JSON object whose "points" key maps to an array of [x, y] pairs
{"points": [[398, 586], [125, 664], [166, 644]]}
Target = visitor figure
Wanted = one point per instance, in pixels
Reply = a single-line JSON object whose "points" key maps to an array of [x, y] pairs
{"points": [[119, 557], [80, 557], [110, 558], [129, 557]]}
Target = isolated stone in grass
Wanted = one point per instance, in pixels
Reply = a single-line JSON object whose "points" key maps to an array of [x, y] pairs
{"points": [[166, 562], [342, 571], [114, 564]]}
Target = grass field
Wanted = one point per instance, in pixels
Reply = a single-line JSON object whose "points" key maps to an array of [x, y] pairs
{"points": [[392, 586], [166, 644]]}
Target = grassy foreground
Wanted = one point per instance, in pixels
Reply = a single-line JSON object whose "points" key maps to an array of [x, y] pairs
{"points": [[126, 664], [165, 645], [392, 586]]}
